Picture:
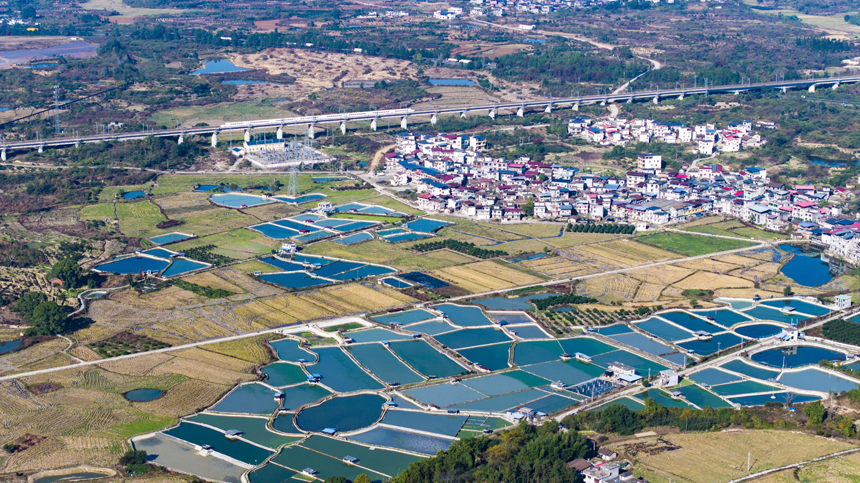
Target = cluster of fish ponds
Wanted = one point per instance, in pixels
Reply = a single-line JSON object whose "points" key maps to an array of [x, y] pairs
{"points": [[410, 384], [158, 261]]}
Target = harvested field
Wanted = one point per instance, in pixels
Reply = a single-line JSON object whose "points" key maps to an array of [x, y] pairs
{"points": [[708, 264], [627, 253], [292, 306], [185, 398], [836, 470], [137, 366], [138, 219], [758, 273], [318, 70], [212, 280], [373, 251], [181, 202], [485, 276], [195, 370], [215, 220], [665, 274], [205, 357], [19, 360], [249, 349], [736, 259], [456, 235], [719, 457], [746, 293], [712, 281], [166, 298], [533, 230], [523, 246], [571, 239]]}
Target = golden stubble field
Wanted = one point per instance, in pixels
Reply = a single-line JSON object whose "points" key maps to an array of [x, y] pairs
{"points": [[719, 457]]}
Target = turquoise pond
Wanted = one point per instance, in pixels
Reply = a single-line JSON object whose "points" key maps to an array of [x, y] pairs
{"points": [[288, 350], [464, 316], [643, 343], [613, 330], [742, 367], [393, 438], [274, 231], [220, 66], [498, 384], [702, 398], [724, 317], [143, 395], [445, 394], [297, 458], [517, 303], [342, 413], [506, 318], [284, 423], [404, 318], [383, 364], [795, 356], [182, 266], [376, 335], [9, 345], [552, 403], [816, 380], [200, 435], [643, 366], [425, 226], [295, 224], [282, 374], [340, 373], [301, 199], [664, 330], [396, 283], [443, 424], [293, 280], [758, 331], [253, 429], [472, 337], [780, 397], [502, 403], [690, 322], [630, 404], [313, 236], [425, 359], [529, 332], [737, 304], [170, 238], [432, 328], [406, 237], [807, 269], [666, 400], [297, 396], [712, 376], [570, 372], [493, 357], [402, 402], [392, 231], [285, 265], [133, 195], [236, 200], [271, 473], [717, 343], [800, 306], [742, 387], [451, 82], [250, 399], [767, 313], [536, 352], [381, 460], [134, 265], [353, 239], [160, 252]]}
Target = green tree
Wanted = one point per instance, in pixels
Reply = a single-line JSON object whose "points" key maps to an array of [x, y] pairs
{"points": [[787, 290], [48, 319], [28, 302], [815, 412], [529, 207], [362, 478], [619, 419], [336, 479], [68, 271], [28, 12], [133, 457]]}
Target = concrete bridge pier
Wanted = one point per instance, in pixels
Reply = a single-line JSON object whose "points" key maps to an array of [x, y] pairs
{"points": [[681, 97], [785, 89], [41, 148], [311, 131], [280, 134], [629, 100], [403, 122], [835, 86], [247, 135], [343, 127], [548, 109], [3, 154], [520, 111], [603, 102], [576, 106], [214, 139], [656, 100], [373, 125], [463, 114], [492, 113], [433, 119], [181, 139]]}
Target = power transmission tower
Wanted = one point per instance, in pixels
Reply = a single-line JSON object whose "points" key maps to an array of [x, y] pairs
{"points": [[293, 182], [57, 109]]}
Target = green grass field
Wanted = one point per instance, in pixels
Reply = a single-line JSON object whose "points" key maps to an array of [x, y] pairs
{"points": [[139, 218], [737, 230], [239, 244], [97, 212], [218, 114], [691, 245], [214, 221]]}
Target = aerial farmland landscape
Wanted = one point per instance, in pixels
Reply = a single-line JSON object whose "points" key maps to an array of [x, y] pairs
{"points": [[477, 241]]}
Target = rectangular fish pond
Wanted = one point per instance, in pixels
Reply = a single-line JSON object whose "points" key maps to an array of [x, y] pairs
{"points": [[425, 359], [238, 200], [294, 280], [340, 373], [425, 225], [133, 264], [404, 318], [383, 364], [170, 238]]}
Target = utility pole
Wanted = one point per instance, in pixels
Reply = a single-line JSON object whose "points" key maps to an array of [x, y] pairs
{"points": [[748, 461], [57, 110]]}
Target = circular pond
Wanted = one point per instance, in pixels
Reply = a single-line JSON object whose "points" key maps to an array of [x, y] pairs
{"points": [[759, 331], [796, 356], [143, 395], [342, 413]]}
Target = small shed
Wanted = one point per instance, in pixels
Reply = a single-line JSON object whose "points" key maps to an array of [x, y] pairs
{"points": [[329, 431]]}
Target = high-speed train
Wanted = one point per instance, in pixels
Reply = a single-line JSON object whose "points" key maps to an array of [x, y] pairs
{"points": [[344, 116]]}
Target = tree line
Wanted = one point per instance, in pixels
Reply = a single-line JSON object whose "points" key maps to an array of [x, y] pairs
{"points": [[459, 246], [601, 228], [573, 299]]}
